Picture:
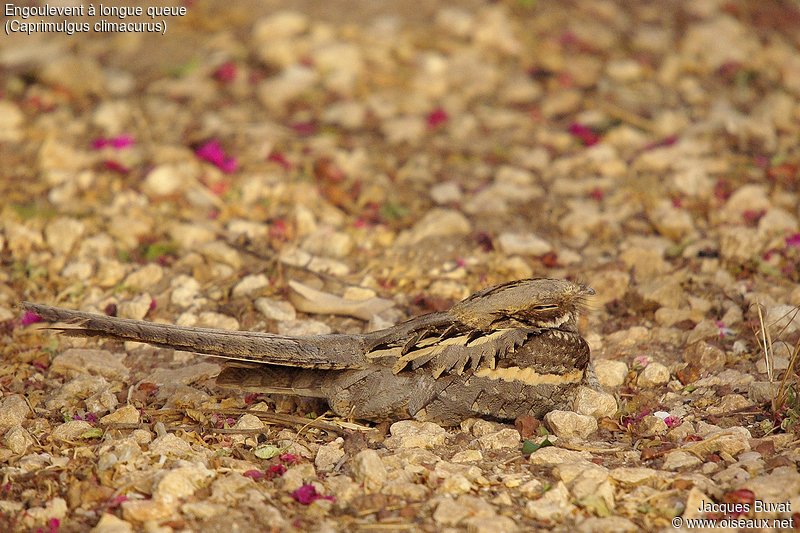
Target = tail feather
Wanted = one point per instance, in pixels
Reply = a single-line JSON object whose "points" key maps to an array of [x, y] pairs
{"points": [[274, 380], [326, 351]]}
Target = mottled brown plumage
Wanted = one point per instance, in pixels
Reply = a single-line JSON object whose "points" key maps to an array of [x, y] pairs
{"points": [[508, 350]]}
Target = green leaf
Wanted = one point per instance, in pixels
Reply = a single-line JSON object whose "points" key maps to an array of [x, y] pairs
{"points": [[94, 433], [529, 446], [267, 452]]}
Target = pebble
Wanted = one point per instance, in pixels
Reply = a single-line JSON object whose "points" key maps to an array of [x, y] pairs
{"points": [[55, 509], [555, 504], [146, 510], [568, 424], [11, 119], [451, 512], [782, 318], [413, 434], [679, 460], [491, 524], [275, 309], [124, 415], [611, 523], [609, 373], [651, 425], [467, 456], [81, 76], [589, 484], [183, 375], [190, 236], [499, 440], [71, 430], [170, 445], [609, 286], [653, 375], [646, 263], [552, 455], [732, 441], [436, 223], [277, 91], [523, 244], [144, 278], [329, 455], [135, 308], [169, 179], [109, 523], [219, 251], [369, 470], [185, 291], [761, 391], [447, 192], [775, 486], [75, 361], [250, 284], [303, 327], [328, 243], [17, 439], [13, 410], [62, 233], [182, 482], [633, 476], [594, 403]]}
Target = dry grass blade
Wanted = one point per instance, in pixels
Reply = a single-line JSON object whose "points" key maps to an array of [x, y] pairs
{"points": [[780, 396], [769, 356]]}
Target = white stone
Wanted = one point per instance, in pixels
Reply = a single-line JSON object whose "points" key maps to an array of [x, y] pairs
{"points": [[414, 434], [369, 470], [569, 424], [653, 375], [609, 373], [553, 505], [275, 309], [523, 244], [329, 455], [13, 410], [594, 403]]}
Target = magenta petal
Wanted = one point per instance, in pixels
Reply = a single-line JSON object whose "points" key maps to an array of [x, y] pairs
{"points": [[437, 117], [307, 494], [793, 240], [29, 317], [121, 141], [213, 153], [255, 475]]}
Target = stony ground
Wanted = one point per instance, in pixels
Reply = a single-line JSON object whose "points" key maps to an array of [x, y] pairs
{"points": [[413, 154]]}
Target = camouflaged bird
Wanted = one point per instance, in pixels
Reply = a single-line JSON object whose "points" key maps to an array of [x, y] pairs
{"points": [[508, 350]]}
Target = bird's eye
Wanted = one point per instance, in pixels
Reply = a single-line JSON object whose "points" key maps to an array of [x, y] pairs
{"points": [[546, 307]]}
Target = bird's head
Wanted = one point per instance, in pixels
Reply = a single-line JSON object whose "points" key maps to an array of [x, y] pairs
{"points": [[537, 303]]}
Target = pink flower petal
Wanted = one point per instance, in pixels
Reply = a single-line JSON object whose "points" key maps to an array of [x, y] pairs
{"points": [[255, 475], [226, 72], [584, 133], [213, 153], [437, 117], [280, 158], [793, 241], [275, 471], [307, 494], [289, 458], [115, 166], [29, 317], [119, 142]]}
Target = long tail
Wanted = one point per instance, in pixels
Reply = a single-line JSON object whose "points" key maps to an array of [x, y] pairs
{"points": [[322, 351]]}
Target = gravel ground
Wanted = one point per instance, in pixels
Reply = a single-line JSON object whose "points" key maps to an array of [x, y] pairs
{"points": [[415, 154]]}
